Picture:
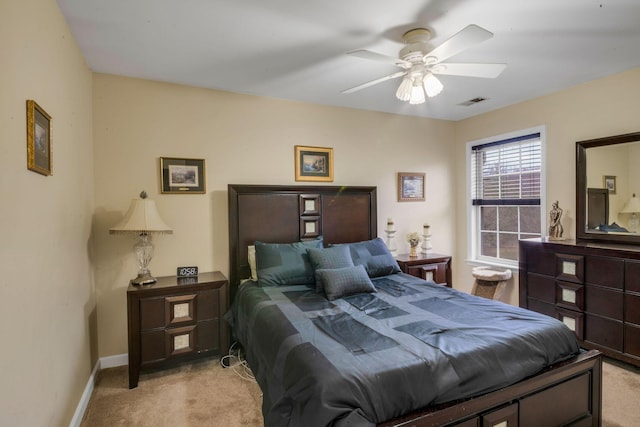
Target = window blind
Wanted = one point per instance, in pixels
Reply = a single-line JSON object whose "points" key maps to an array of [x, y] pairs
{"points": [[507, 172]]}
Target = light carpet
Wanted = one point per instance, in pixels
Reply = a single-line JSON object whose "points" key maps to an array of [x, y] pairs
{"points": [[204, 394]]}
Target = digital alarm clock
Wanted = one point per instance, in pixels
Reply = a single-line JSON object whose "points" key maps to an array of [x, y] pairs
{"points": [[187, 272]]}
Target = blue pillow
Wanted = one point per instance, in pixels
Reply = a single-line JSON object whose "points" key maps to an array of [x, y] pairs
{"points": [[374, 256], [329, 258], [282, 264], [340, 282]]}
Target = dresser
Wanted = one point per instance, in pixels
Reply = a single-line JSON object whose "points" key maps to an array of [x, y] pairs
{"points": [[594, 288], [429, 266], [176, 319]]}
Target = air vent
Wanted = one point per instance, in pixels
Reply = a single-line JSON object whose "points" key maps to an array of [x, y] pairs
{"points": [[473, 101]]}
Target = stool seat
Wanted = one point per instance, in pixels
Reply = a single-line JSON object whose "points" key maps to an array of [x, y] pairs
{"points": [[490, 282], [489, 273]]}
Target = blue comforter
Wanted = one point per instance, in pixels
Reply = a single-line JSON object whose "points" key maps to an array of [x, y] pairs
{"points": [[367, 358]]}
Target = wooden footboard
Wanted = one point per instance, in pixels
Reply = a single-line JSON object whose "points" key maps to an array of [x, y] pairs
{"points": [[568, 393]]}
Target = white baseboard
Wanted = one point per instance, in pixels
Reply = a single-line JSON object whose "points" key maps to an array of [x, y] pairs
{"points": [[113, 361], [102, 363]]}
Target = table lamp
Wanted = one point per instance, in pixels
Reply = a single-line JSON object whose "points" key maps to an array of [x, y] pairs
{"points": [[632, 207], [143, 219]]}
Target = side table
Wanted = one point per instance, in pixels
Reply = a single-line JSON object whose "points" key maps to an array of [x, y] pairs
{"points": [[176, 319], [430, 266]]}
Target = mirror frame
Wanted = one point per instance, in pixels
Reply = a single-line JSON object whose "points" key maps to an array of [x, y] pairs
{"points": [[581, 189]]}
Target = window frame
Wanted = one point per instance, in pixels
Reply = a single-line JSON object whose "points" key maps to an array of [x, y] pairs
{"points": [[473, 211]]}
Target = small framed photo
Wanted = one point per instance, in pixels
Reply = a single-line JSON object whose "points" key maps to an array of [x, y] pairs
{"points": [[38, 139], [610, 183], [410, 187], [182, 176], [313, 163]]}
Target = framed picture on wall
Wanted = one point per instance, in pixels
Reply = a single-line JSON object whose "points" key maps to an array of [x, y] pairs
{"points": [[182, 176], [313, 163], [411, 187], [610, 183], [38, 139]]}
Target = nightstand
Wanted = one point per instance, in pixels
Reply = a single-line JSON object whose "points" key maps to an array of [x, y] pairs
{"points": [[430, 266], [176, 319]]}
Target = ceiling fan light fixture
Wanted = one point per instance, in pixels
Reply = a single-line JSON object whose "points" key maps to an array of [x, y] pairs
{"points": [[404, 90], [417, 93], [432, 85]]}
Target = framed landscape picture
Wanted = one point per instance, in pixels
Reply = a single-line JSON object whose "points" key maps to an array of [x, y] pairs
{"points": [[411, 187], [313, 163], [38, 139], [610, 183], [182, 176]]}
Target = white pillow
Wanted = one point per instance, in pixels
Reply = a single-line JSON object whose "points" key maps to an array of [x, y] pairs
{"points": [[251, 255]]}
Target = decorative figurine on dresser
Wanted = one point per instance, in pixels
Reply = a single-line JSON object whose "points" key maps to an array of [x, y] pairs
{"points": [[555, 223]]}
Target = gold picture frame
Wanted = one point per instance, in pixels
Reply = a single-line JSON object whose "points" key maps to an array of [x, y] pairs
{"points": [[411, 186], [313, 163], [38, 139], [182, 176]]}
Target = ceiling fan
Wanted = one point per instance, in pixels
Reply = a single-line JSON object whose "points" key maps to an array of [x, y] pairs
{"points": [[420, 63]]}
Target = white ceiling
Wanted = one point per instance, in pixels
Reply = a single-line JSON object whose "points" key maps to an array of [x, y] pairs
{"points": [[295, 49]]}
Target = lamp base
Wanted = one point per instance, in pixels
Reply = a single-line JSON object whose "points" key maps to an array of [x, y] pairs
{"points": [[143, 279]]}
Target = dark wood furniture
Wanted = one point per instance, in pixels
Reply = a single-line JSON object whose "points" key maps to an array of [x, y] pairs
{"points": [[176, 319], [593, 288], [429, 266], [570, 392], [582, 210]]}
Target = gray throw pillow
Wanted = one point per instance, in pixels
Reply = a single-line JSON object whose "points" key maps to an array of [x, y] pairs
{"points": [[340, 282], [329, 258]]}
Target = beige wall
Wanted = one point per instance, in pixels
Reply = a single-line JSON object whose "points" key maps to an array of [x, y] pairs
{"points": [[108, 133], [243, 139], [600, 108], [47, 301]]}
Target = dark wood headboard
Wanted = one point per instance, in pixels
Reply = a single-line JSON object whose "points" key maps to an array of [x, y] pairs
{"points": [[286, 214]]}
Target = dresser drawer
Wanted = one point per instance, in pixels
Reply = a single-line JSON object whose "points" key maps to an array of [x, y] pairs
{"points": [[632, 340], [632, 276], [604, 271], [602, 331], [542, 288], [570, 268], [632, 308], [604, 302], [574, 320], [570, 295]]}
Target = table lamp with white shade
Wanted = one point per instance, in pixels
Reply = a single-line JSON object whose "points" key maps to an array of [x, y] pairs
{"points": [[632, 207], [143, 219]]}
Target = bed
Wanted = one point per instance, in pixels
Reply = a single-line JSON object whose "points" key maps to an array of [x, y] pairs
{"points": [[405, 352]]}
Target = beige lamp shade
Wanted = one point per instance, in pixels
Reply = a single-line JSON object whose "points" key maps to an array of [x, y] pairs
{"points": [[142, 217], [632, 205]]}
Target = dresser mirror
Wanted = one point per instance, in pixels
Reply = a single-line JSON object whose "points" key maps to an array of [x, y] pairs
{"points": [[608, 189]]}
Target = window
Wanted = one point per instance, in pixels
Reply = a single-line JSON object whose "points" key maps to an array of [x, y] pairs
{"points": [[505, 186]]}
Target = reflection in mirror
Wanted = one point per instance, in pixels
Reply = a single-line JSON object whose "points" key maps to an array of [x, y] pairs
{"points": [[607, 179], [614, 171]]}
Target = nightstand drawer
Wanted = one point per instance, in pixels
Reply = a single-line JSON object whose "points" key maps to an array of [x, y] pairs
{"points": [[162, 344], [178, 310]]}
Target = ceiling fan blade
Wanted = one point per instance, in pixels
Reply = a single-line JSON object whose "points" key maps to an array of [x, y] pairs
{"points": [[487, 71], [455, 44], [375, 82], [374, 56]]}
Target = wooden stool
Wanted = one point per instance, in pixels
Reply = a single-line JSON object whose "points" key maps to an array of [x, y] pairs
{"points": [[490, 283]]}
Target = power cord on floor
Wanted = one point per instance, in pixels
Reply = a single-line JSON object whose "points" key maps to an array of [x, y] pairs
{"points": [[236, 361]]}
